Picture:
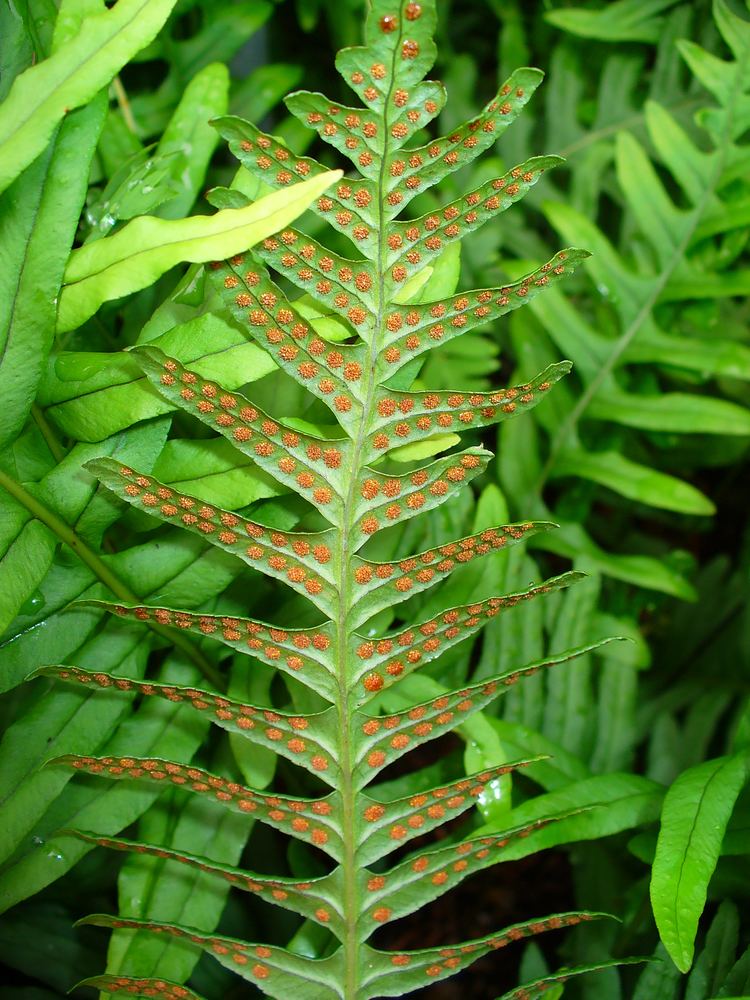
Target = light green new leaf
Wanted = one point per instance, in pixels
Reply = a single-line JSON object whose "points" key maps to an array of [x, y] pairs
{"points": [[424, 449], [42, 95], [147, 247], [695, 815]]}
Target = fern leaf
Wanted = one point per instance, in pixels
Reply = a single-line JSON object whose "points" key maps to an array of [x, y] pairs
{"points": [[316, 899], [393, 656], [275, 810], [295, 459], [415, 969], [416, 329], [530, 991], [296, 650], [381, 742], [424, 569], [306, 739], [297, 976], [137, 986], [270, 551], [389, 825], [347, 481], [683, 199]]}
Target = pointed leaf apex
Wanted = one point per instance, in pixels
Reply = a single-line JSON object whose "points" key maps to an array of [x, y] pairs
{"points": [[527, 77], [546, 525], [146, 351], [54, 761]]}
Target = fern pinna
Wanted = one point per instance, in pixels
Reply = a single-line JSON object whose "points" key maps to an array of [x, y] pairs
{"points": [[364, 380]]}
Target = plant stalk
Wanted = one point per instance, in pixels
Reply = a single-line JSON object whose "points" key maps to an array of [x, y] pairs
{"points": [[352, 914]]}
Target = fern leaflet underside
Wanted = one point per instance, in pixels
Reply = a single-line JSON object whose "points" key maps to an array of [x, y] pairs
{"points": [[345, 480]]}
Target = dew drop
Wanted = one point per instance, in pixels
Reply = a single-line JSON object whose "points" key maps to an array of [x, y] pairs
{"points": [[37, 841], [32, 604], [491, 795]]}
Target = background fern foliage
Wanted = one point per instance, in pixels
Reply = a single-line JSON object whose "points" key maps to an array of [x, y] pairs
{"points": [[275, 616]]}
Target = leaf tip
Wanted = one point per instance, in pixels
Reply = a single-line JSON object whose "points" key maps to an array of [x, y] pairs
{"points": [[532, 73]]}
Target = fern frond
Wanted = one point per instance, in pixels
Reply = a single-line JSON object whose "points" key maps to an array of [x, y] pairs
{"points": [[347, 659]]}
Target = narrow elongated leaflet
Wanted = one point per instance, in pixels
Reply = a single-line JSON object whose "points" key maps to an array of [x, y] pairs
{"points": [[696, 811]]}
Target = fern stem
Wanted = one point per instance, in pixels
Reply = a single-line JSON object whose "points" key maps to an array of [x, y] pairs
{"points": [[348, 793], [346, 708], [571, 422], [96, 564], [53, 443], [124, 104], [351, 914]]}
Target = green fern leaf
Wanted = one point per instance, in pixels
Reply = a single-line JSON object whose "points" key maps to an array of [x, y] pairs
{"points": [[362, 378]]}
